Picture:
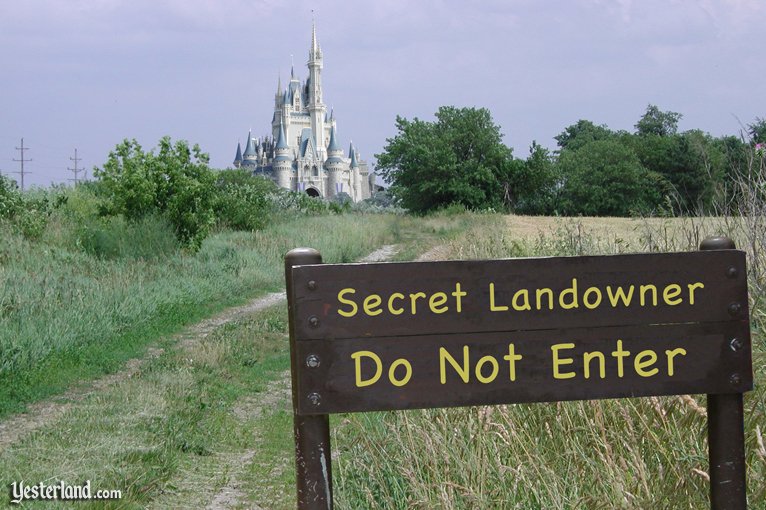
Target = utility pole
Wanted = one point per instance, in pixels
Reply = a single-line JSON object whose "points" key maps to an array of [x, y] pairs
{"points": [[75, 169], [22, 161]]}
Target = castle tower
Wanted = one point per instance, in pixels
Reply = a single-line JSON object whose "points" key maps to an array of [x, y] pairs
{"points": [[334, 166], [282, 164], [250, 157], [238, 157], [317, 109]]}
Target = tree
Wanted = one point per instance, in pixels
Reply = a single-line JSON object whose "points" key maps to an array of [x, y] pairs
{"points": [[582, 132], [605, 178], [459, 158], [175, 182], [658, 123], [534, 184], [757, 130]]}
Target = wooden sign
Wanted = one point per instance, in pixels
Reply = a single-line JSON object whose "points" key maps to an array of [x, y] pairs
{"points": [[367, 337], [439, 334]]}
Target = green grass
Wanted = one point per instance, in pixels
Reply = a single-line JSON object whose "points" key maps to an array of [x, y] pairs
{"points": [[168, 434], [68, 315]]}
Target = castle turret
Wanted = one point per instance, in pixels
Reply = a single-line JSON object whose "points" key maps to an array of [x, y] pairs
{"points": [[282, 164], [250, 157], [334, 166], [238, 157], [316, 107]]}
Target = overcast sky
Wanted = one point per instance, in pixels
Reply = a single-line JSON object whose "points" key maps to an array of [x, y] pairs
{"points": [[87, 73]]}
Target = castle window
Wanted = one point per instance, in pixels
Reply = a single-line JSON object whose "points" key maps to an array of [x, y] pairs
{"points": [[316, 171]]}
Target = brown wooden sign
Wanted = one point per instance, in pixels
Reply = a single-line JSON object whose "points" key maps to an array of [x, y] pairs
{"points": [[399, 336], [437, 334]]}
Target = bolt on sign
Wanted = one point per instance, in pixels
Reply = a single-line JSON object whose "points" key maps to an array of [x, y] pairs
{"points": [[388, 336]]}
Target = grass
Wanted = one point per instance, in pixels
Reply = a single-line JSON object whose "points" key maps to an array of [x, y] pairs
{"points": [[68, 315], [186, 425], [627, 453], [200, 417]]}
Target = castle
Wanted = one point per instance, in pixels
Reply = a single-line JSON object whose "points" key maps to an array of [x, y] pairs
{"points": [[303, 153]]}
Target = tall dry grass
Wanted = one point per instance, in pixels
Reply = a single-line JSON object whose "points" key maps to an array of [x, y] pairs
{"points": [[629, 453]]}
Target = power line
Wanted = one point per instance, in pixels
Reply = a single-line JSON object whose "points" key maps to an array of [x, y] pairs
{"points": [[22, 161], [75, 169]]}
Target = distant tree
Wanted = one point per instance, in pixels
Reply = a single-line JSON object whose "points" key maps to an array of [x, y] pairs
{"points": [[582, 132], [658, 123], [458, 159], [605, 178], [535, 182], [757, 130]]}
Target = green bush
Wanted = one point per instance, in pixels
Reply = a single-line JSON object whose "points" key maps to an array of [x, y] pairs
{"points": [[175, 182], [243, 202]]}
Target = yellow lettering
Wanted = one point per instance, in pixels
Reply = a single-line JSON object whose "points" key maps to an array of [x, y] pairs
{"points": [[589, 305], [444, 355], [644, 288], [372, 302], [358, 365], [492, 307], [561, 361], [413, 299], [672, 354], [670, 294], [620, 354], [619, 295], [523, 293], [480, 364], [540, 293], [641, 365], [693, 286], [395, 311], [588, 356], [572, 291], [436, 301], [512, 358], [354, 308], [407, 371], [458, 294]]}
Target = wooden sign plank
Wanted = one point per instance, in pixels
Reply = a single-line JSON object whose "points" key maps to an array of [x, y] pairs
{"points": [[406, 299], [426, 371]]}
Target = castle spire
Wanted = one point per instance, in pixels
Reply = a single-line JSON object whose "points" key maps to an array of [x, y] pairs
{"points": [[313, 36], [238, 157], [279, 83], [334, 148], [249, 148]]}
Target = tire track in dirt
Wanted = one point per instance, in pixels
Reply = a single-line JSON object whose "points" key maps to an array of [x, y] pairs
{"points": [[46, 412]]}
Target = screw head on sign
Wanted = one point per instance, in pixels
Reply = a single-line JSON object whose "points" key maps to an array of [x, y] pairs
{"points": [[734, 309], [732, 272], [312, 285], [315, 398], [312, 361], [313, 321], [735, 379], [736, 344]]}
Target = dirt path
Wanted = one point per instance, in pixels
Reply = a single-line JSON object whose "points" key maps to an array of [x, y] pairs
{"points": [[48, 411], [278, 391]]}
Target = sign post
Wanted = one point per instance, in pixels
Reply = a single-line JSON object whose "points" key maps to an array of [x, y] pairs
{"points": [[726, 426], [368, 337], [312, 433]]}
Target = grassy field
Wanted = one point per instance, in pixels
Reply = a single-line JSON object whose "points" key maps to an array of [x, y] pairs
{"points": [[67, 315], [208, 422], [627, 453]]}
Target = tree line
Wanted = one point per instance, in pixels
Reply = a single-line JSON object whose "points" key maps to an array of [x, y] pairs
{"points": [[460, 158]]}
